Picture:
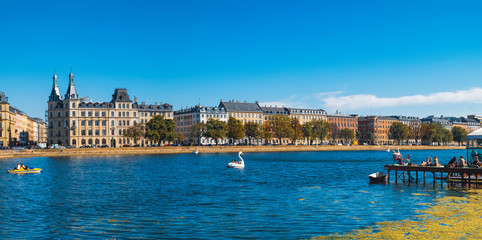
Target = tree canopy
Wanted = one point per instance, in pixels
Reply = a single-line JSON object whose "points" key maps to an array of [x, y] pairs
{"points": [[398, 131], [135, 132], [215, 129], [347, 134], [235, 129], [253, 130], [459, 134], [321, 129], [297, 130], [160, 129]]}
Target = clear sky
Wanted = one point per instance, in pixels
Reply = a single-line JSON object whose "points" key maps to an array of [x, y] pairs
{"points": [[367, 57]]}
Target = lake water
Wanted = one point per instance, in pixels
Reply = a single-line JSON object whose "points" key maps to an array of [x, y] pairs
{"points": [[278, 195]]}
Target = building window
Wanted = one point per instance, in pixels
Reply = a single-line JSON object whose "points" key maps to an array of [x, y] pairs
{"points": [[112, 114], [123, 106], [120, 132], [128, 114], [90, 132], [112, 132], [104, 122], [82, 114], [89, 113], [73, 113], [82, 132], [82, 123], [97, 132], [120, 123], [123, 114], [103, 114], [89, 122], [96, 114], [120, 114], [112, 122], [104, 132], [135, 114]]}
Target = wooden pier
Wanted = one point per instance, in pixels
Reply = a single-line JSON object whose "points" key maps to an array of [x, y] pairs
{"points": [[463, 175]]}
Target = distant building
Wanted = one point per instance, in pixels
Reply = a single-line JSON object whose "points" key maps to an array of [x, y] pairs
{"points": [[243, 111], [437, 120], [18, 129], [185, 119], [414, 125], [375, 129], [340, 121], [73, 121]]}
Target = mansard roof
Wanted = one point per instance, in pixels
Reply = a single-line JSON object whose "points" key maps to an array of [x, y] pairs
{"points": [[201, 109], [120, 95], [238, 106], [153, 108]]}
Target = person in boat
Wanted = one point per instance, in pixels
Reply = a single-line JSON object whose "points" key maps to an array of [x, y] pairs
{"points": [[461, 162], [24, 167], [17, 167]]}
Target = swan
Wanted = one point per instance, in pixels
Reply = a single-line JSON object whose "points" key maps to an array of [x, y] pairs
{"points": [[237, 165], [195, 151]]}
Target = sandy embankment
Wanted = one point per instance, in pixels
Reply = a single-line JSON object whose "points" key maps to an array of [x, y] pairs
{"points": [[212, 149]]}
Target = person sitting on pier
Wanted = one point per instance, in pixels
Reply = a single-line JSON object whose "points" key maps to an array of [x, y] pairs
{"points": [[452, 161], [428, 162], [397, 156], [476, 163], [435, 162], [461, 162]]}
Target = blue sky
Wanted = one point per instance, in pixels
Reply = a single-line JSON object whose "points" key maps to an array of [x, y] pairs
{"points": [[366, 57]]}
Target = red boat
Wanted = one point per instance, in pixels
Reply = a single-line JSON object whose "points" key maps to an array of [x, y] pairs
{"points": [[378, 177]]}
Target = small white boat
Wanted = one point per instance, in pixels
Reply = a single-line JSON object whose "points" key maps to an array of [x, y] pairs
{"points": [[239, 165], [195, 152], [388, 149]]}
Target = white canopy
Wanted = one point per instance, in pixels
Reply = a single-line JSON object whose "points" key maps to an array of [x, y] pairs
{"points": [[477, 134]]}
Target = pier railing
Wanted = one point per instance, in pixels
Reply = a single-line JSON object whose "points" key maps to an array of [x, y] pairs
{"points": [[463, 175]]}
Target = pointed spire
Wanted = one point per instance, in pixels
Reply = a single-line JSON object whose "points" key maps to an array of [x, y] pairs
{"points": [[55, 94], [71, 93]]}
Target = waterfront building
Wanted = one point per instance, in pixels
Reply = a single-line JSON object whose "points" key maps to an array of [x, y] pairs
{"points": [[414, 125], [73, 121], [243, 111], [186, 118], [307, 115], [437, 120], [18, 129], [375, 129], [340, 121]]}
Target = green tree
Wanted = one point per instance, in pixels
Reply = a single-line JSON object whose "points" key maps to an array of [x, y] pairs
{"points": [[307, 131], [197, 131], [235, 129], [281, 127], [459, 134], [347, 134], [321, 129], [215, 129], [253, 130], [447, 136], [135, 132], [398, 131], [358, 135], [159, 129], [297, 130], [180, 137]]}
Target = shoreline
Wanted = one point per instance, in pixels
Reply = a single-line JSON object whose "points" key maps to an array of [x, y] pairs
{"points": [[6, 154]]}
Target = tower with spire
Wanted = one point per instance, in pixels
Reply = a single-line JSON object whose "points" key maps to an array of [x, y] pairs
{"points": [[55, 94], [71, 93]]}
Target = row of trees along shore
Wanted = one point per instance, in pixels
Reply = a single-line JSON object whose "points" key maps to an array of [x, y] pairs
{"points": [[427, 133], [279, 127]]}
